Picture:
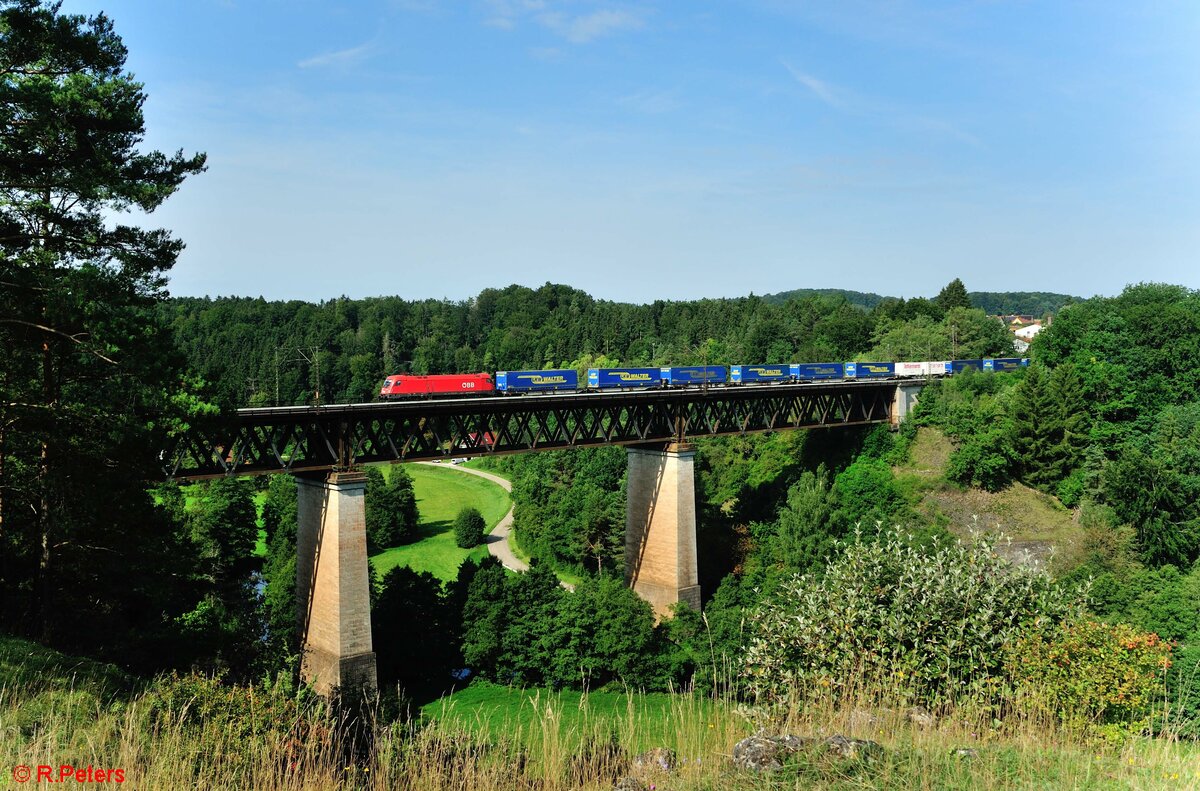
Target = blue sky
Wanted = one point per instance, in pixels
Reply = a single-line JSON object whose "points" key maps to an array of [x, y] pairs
{"points": [[643, 150]]}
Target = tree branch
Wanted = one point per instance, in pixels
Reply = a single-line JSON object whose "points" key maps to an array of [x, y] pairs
{"points": [[61, 334]]}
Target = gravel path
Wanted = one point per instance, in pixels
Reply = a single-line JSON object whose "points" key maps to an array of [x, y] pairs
{"points": [[497, 540]]}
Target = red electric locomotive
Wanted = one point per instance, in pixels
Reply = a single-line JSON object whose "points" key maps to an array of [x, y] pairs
{"points": [[407, 386]]}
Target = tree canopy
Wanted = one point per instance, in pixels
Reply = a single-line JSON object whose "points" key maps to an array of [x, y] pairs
{"points": [[89, 381]]}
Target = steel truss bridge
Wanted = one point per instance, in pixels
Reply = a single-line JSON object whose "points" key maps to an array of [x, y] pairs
{"points": [[328, 438]]}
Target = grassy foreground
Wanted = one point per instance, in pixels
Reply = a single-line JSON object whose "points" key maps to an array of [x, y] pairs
{"points": [[194, 733], [441, 492]]}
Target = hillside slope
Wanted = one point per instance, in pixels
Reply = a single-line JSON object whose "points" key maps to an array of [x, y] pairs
{"points": [[1041, 530]]}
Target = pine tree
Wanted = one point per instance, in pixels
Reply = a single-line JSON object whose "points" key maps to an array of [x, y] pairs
{"points": [[90, 378], [403, 501], [417, 657], [391, 509], [1037, 429], [954, 295], [803, 533], [483, 617], [1066, 385]]}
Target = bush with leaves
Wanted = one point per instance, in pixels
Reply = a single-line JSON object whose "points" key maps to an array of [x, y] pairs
{"points": [[1099, 679], [932, 621], [469, 528], [986, 460], [604, 633], [866, 493], [804, 534], [277, 718]]}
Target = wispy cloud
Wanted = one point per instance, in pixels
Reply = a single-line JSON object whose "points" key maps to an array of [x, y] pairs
{"points": [[650, 102], [419, 6], [556, 16], [586, 27], [874, 110], [504, 14], [342, 57], [819, 88], [546, 53], [938, 128]]}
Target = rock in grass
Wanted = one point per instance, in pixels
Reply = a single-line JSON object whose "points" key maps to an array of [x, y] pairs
{"points": [[629, 783], [762, 753], [966, 753], [660, 759], [849, 749]]}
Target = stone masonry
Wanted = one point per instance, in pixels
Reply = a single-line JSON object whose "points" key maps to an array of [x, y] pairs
{"points": [[660, 526], [332, 582], [904, 401]]}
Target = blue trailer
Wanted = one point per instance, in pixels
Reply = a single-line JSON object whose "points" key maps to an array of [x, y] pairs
{"points": [[750, 374], [870, 370], [807, 372], [610, 378], [958, 366], [684, 375], [537, 381], [1006, 364]]}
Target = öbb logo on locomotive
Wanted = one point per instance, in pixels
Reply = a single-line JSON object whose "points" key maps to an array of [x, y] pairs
{"points": [[401, 386]]}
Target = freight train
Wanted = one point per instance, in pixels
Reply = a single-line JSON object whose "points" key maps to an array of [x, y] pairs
{"points": [[403, 386]]}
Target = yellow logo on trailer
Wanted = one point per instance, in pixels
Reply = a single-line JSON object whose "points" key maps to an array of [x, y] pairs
{"points": [[626, 376]]}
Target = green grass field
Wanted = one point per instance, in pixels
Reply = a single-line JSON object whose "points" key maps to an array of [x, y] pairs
{"points": [[490, 710], [441, 493]]}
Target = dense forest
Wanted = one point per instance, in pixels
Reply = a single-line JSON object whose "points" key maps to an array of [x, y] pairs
{"points": [[251, 351], [995, 303]]}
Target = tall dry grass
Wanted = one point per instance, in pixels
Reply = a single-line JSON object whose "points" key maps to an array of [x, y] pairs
{"points": [[556, 750]]}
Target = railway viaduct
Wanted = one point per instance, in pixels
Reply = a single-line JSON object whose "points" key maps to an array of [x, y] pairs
{"points": [[323, 447]]}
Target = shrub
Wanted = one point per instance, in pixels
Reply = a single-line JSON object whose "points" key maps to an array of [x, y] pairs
{"points": [[1071, 489], [274, 718], [867, 493], [929, 621], [469, 528], [1099, 679], [986, 459]]}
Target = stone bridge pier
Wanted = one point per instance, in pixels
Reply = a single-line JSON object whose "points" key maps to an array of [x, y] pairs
{"points": [[333, 598], [660, 526], [904, 401]]}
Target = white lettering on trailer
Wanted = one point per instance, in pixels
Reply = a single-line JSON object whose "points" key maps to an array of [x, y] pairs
{"points": [[912, 369]]}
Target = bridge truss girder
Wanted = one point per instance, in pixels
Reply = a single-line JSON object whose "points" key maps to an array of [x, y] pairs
{"points": [[309, 439]]}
